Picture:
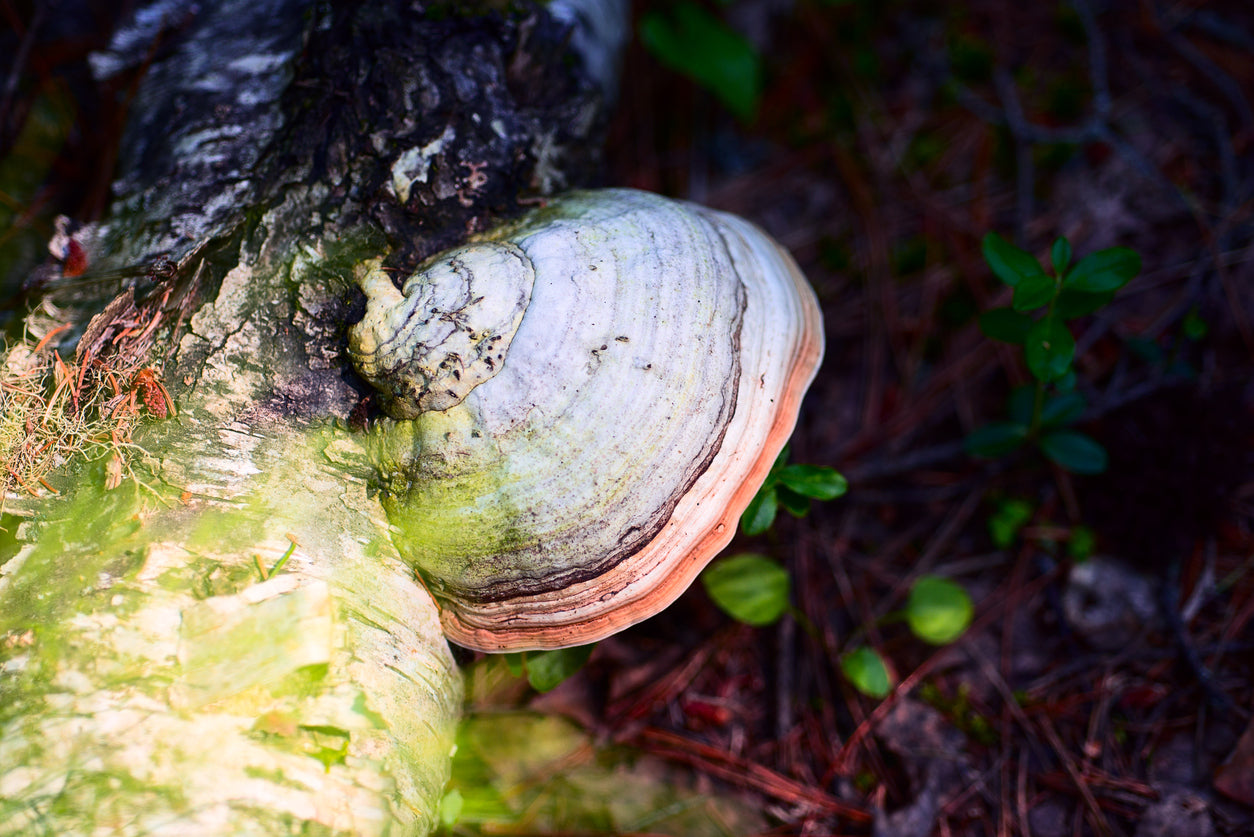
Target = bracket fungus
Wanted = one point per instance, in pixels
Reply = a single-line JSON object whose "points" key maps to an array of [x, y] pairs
{"points": [[587, 400]]}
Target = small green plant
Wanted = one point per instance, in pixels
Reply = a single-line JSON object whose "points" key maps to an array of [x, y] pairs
{"points": [[1081, 544], [749, 588], [1010, 516], [793, 487], [1037, 320], [692, 41], [938, 611], [546, 670], [867, 671], [451, 807], [1193, 326], [962, 710]]}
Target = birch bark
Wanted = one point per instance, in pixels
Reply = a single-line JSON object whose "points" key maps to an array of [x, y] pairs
{"points": [[238, 649]]}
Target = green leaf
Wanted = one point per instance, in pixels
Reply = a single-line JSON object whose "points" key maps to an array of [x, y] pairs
{"points": [[1193, 326], [1004, 524], [515, 663], [1062, 408], [996, 439], [1060, 255], [938, 610], [865, 669], [1049, 349], [749, 588], [816, 481], [451, 807], [484, 803], [1072, 303], [1006, 325], [547, 669], [1082, 543], [795, 504], [760, 514], [1008, 262], [1105, 270], [1034, 292], [694, 42], [1074, 451]]}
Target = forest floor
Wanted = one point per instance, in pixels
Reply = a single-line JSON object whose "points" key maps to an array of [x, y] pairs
{"points": [[1105, 686], [1106, 682]]}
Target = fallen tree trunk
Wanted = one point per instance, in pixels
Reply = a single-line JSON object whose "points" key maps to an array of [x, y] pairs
{"points": [[235, 647]]}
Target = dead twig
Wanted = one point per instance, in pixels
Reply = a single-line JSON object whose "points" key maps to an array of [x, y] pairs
{"points": [[745, 773]]}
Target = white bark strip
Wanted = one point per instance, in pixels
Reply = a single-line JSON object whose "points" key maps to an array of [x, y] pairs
{"points": [[134, 703], [159, 672]]}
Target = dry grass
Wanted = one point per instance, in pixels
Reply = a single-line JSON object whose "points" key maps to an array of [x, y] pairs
{"points": [[53, 411]]}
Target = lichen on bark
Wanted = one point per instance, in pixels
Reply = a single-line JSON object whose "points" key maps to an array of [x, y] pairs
{"points": [[238, 648], [154, 682]]}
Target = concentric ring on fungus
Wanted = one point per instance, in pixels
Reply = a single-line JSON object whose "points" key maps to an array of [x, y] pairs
{"points": [[622, 381]]}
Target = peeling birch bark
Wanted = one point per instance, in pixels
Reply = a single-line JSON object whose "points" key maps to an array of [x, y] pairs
{"points": [[242, 651]]}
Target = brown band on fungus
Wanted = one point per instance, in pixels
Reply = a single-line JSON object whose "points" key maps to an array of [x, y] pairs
{"points": [[540, 621], [597, 490], [627, 545]]}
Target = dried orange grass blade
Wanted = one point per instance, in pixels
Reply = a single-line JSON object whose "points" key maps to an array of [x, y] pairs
{"points": [[173, 411], [39, 347], [22, 483]]}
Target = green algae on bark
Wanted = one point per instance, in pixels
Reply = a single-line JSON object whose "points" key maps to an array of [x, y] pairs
{"points": [[152, 682]]}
